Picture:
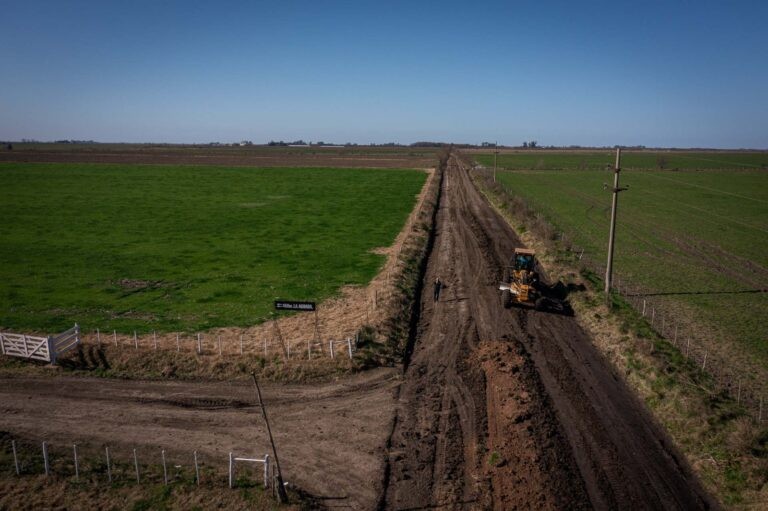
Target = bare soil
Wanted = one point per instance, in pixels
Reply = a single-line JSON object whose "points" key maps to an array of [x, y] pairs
{"points": [[237, 157], [541, 421], [330, 437]]}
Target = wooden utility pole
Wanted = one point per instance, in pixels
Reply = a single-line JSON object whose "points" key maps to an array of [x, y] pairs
{"points": [[612, 235], [282, 495]]}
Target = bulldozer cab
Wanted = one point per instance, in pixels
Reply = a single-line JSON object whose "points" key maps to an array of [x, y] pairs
{"points": [[524, 259]]}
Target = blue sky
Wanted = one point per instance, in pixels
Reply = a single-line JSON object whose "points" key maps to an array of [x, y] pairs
{"points": [[672, 73]]}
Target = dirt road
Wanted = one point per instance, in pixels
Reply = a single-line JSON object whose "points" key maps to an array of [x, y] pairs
{"points": [[330, 436], [511, 409]]}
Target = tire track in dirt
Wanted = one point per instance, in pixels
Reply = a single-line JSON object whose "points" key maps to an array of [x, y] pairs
{"points": [[519, 401]]}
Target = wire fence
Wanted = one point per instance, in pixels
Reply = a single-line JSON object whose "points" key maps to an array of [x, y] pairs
{"points": [[105, 465], [664, 320]]}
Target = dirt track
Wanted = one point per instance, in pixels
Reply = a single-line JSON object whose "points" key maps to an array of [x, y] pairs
{"points": [[330, 436], [561, 430], [498, 409]]}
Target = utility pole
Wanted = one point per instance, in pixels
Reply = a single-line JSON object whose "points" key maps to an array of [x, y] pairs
{"points": [[282, 495], [495, 154], [612, 235]]}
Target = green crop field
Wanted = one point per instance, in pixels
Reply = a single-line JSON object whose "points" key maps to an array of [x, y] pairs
{"points": [[598, 160], [700, 238], [176, 248]]}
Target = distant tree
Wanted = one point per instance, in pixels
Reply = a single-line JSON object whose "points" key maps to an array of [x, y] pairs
{"points": [[525, 145], [10, 147], [533, 144]]}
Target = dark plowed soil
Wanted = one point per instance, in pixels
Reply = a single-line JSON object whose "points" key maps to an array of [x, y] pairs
{"points": [[261, 157], [515, 409]]}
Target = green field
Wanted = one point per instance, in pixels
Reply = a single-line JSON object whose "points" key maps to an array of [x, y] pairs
{"points": [[699, 238], [184, 248], [599, 160]]}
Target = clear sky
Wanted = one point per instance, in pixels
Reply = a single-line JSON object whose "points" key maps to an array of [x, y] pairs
{"points": [[656, 73]]}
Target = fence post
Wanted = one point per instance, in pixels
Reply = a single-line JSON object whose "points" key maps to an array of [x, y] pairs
{"points": [[77, 467], [109, 466], [241, 344], [643, 307], [45, 459], [165, 470], [330, 347], [135, 340], [309, 350], [653, 315], [687, 346], [675, 341], [231, 469], [199, 345], [218, 339], [178, 344], [266, 471], [15, 457], [114, 337], [154, 339], [760, 411], [704, 364], [197, 469], [98, 337], [136, 466], [265, 347], [349, 346]]}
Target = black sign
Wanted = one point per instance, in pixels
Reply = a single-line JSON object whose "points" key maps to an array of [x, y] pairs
{"points": [[289, 305]]}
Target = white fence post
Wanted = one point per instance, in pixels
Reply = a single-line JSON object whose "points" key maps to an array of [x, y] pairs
{"points": [[704, 364], [241, 344], [77, 467], [114, 337], [136, 465], [197, 469], [330, 347], [231, 469], [45, 459], [218, 339], [109, 465], [15, 457], [154, 339], [178, 344], [199, 345], [309, 351], [135, 340], [643, 307], [349, 346], [165, 470], [265, 347], [266, 471], [98, 337]]}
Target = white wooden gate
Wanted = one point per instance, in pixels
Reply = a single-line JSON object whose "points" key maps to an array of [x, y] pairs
{"points": [[47, 349]]}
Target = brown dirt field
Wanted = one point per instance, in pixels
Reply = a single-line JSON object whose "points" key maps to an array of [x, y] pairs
{"points": [[234, 156], [578, 437], [330, 437]]}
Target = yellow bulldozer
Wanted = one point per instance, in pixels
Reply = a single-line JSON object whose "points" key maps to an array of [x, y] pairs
{"points": [[522, 287]]}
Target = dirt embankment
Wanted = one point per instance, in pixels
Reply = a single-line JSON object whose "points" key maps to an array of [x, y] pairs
{"points": [[516, 409]]}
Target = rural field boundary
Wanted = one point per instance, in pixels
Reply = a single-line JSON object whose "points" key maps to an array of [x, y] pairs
{"points": [[45, 349], [106, 465], [666, 323]]}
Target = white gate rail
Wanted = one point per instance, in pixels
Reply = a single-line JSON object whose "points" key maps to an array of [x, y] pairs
{"points": [[46, 349], [233, 459]]}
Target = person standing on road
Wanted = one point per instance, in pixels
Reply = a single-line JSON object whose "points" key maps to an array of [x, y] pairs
{"points": [[438, 287]]}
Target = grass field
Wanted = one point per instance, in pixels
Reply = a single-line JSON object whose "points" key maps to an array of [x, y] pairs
{"points": [[599, 160], [697, 238], [184, 248]]}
